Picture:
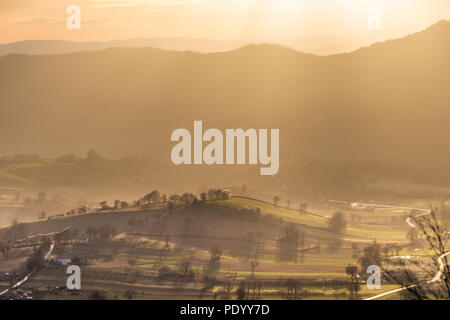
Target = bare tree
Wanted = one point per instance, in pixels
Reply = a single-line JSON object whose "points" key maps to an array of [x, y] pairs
{"points": [[276, 199], [303, 206], [227, 289], [170, 205], [337, 223], [91, 232], [185, 267], [253, 265], [4, 248], [354, 280], [437, 284], [241, 292]]}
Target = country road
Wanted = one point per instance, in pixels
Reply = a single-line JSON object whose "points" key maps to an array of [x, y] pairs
{"points": [[46, 258], [441, 260], [18, 284]]}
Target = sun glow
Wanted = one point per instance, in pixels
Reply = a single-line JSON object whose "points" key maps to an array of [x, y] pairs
{"points": [[333, 25], [278, 6]]}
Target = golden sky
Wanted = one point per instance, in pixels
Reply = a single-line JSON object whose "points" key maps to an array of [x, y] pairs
{"points": [[322, 22]]}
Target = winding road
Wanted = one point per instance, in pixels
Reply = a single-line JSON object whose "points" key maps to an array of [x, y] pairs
{"points": [[46, 257], [441, 259], [18, 284]]}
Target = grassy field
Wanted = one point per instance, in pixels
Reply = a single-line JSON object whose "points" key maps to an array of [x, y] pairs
{"points": [[318, 218]]}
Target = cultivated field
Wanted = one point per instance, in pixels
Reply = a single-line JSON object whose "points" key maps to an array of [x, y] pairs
{"points": [[213, 249]]}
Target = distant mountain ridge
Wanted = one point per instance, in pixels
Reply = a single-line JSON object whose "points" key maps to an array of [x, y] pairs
{"points": [[44, 47], [384, 107], [47, 47]]}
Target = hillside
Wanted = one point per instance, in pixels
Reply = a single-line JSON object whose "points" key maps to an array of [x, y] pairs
{"points": [[228, 220], [387, 103], [142, 249]]}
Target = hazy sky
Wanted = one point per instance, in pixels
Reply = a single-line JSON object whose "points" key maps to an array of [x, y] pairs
{"points": [[326, 21]]}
